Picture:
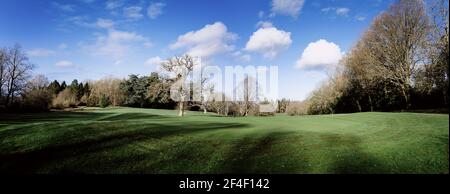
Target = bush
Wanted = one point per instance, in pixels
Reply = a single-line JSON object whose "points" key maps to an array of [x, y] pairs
{"points": [[92, 100], [103, 101], [297, 108], [37, 100], [83, 100], [65, 99]]}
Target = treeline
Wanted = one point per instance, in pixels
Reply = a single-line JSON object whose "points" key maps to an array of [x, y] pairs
{"points": [[21, 92], [135, 91], [400, 63]]}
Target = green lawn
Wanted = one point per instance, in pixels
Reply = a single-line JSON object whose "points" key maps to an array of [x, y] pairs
{"points": [[126, 140]]}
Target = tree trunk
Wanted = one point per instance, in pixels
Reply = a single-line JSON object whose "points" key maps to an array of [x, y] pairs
{"points": [[181, 111], [226, 109], [370, 103], [359, 106], [405, 92], [10, 93]]}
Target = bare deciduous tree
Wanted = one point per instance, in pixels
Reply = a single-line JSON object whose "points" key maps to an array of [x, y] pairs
{"points": [[38, 82], [246, 95], [18, 70], [3, 59], [360, 73], [435, 75], [109, 88], [203, 89], [396, 43], [179, 68], [324, 99]]}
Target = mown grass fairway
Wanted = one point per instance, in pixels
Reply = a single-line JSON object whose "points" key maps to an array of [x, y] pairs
{"points": [[126, 140]]}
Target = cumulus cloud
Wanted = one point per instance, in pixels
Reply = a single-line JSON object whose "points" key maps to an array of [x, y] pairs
{"points": [[155, 9], [287, 7], [63, 64], [269, 41], [40, 52], [133, 12], [320, 54], [115, 44], [154, 61], [212, 39], [264, 24]]}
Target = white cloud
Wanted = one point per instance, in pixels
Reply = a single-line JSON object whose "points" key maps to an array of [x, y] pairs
{"points": [[360, 18], [62, 46], [133, 12], [104, 23], [342, 11], [287, 7], [241, 56], [63, 64], [40, 52], [115, 44], [320, 54], [264, 24], [269, 41], [154, 61], [64, 7], [83, 21], [212, 39], [327, 9], [78, 20], [155, 9], [148, 44], [260, 14], [113, 4]]}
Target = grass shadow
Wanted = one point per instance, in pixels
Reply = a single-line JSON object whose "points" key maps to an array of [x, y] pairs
{"points": [[131, 116], [50, 117], [352, 159], [88, 141], [258, 155]]}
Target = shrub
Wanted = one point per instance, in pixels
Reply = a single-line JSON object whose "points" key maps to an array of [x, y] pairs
{"points": [[37, 100], [297, 108], [84, 100], [92, 100], [103, 101], [65, 99]]}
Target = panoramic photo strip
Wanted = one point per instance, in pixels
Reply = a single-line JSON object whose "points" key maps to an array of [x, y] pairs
{"points": [[224, 87]]}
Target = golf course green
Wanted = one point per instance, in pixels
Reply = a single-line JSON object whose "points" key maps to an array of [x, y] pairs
{"points": [[128, 140]]}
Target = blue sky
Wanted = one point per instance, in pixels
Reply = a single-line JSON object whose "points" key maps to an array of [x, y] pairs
{"points": [[91, 39]]}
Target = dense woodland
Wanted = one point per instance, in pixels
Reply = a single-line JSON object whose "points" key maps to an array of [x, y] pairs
{"points": [[399, 63]]}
